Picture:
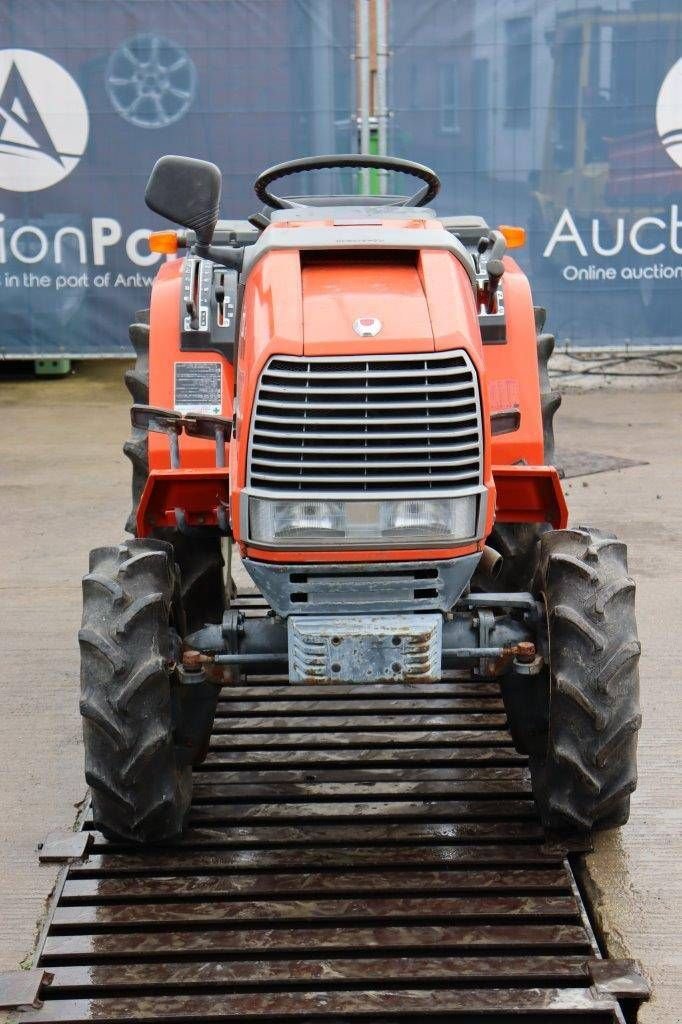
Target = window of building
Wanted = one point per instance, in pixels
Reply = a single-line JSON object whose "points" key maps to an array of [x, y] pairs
{"points": [[517, 76], [448, 99]]}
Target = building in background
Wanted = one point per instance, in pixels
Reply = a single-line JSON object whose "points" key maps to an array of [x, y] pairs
{"points": [[565, 117]]}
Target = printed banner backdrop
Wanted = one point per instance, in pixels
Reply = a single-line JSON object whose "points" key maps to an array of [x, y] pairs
{"points": [[564, 117], [561, 115], [92, 93]]}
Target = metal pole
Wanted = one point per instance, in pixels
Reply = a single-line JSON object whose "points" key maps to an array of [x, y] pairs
{"points": [[363, 78], [382, 88], [322, 71]]}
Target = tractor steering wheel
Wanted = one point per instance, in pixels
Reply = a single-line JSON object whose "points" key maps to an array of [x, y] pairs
{"points": [[421, 197]]}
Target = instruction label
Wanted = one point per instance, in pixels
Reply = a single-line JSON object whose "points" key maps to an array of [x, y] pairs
{"points": [[198, 388]]}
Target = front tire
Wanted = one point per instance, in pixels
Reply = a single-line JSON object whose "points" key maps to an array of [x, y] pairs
{"points": [[584, 779], [141, 791]]}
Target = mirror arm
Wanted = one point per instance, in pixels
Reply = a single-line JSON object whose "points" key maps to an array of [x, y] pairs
{"points": [[227, 255]]}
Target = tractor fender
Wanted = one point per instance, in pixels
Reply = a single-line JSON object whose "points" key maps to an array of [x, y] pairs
{"points": [[513, 377], [165, 356]]}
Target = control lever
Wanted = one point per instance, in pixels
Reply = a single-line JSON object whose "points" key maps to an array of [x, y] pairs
{"points": [[494, 268], [191, 307], [499, 245]]}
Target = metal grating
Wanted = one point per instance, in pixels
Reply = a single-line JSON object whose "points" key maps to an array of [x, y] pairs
{"points": [[362, 425], [366, 853]]}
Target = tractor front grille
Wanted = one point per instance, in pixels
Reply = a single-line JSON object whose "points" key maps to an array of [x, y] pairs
{"points": [[402, 424]]}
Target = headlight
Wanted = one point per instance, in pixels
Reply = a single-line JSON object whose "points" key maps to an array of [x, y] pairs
{"points": [[402, 522], [281, 520]]}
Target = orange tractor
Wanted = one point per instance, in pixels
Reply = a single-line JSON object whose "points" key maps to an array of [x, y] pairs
{"points": [[352, 391]]}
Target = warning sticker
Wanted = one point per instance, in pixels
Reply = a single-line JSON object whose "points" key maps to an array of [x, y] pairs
{"points": [[198, 388], [504, 394]]}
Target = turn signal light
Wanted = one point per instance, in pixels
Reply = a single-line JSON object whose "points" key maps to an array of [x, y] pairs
{"points": [[515, 237], [163, 241]]}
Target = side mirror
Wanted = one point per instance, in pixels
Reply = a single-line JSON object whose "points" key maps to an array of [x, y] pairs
{"points": [[186, 191]]}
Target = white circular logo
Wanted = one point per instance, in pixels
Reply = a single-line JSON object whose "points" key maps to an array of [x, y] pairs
{"points": [[43, 121], [151, 81], [669, 112], [367, 326]]}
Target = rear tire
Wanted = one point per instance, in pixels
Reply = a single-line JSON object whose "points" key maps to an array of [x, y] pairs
{"points": [[589, 769], [518, 542], [140, 790], [202, 586], [137, 382]]}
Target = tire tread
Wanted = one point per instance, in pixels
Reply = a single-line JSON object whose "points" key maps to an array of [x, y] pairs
{"points": [[588, 771], [139, 791]]}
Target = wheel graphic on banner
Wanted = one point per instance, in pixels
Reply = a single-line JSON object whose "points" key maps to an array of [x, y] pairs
{"points": [[44, 121], [151, 81]]}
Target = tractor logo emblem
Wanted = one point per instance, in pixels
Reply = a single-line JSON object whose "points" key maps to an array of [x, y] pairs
{"points": [[43, 121], [669, 113], [367, 326], [151, 81]]}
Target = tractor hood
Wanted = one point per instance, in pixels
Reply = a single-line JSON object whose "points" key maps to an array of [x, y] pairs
{"points": [[363, 305]]}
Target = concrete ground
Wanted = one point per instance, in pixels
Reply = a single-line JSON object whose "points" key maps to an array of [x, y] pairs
{"points": [[65, 490]]}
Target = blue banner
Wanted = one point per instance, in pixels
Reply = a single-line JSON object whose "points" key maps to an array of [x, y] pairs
{"points": [[562, 117], [92, 93]]}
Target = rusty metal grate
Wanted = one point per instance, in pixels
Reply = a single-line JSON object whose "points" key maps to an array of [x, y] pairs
{"points": [[363, 853]]}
